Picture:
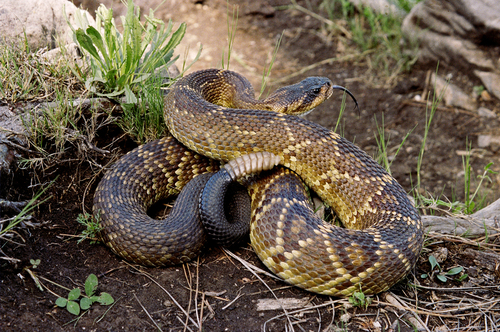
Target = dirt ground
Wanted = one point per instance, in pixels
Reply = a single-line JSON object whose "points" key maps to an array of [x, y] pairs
{"points": [[218, 290]]}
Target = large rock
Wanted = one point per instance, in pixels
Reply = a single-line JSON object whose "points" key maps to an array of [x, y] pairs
{"points": [[42, 20], [460, 33]]}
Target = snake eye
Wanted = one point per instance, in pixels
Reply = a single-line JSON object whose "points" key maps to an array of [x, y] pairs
{"points": [[316, 90]]}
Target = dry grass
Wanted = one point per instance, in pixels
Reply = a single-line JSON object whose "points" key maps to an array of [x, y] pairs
{"points": [[28, 76]]}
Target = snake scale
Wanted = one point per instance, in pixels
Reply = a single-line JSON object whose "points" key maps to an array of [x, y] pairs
{"points": [[213, 114]]}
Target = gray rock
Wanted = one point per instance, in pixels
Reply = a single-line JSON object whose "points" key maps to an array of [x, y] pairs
{"points": [[491, 81], [485, 141], [452, 95], [69, 52], [459, 33], [486, 113], [43, 21]]}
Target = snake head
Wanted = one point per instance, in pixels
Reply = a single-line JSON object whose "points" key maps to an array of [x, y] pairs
{"points": [[301, 98]]}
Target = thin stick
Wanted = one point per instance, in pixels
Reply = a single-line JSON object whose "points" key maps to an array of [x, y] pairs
{"points": [[107, 310], [234, 300], [407, 307], [147, 313], [250, 266], [166, 291], [187, 275], [200, 316], [185, 326], [246, 264], [54, 283], [200, 328]]}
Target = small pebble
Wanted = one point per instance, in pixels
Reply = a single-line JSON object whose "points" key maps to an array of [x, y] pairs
{"points": [[485, 95], [486, 113], [345, 317]]}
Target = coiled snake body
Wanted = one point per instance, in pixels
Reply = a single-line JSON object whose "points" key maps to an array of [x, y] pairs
{"points": [[383, 234]]}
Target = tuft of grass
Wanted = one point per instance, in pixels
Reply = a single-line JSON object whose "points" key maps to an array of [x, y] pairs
{"points": [[429, 115], [377, 36], [27, 76], [473, 200], [144, 120], [119, 62], [267, 71], [63, 126], [51, 124]]}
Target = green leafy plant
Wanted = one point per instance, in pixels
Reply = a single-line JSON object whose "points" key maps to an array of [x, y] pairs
{"points": [[92, 227], [74, 304], [443, 275], [359, 299], [118, 62]]}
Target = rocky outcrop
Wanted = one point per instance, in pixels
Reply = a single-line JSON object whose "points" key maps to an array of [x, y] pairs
{"points": [[460, 33], [43, 21]]}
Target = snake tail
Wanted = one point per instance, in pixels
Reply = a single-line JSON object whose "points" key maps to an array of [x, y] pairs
{"points": [[225, 204]]}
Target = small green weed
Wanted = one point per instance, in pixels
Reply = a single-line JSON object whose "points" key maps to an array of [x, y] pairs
{"points": [[231, 34], [74, 305], [477, 90], [118, 62], [443, 275], [359, 299], [471, 203], [383, 157], [93, 227], [267, 71], [34, 263]]}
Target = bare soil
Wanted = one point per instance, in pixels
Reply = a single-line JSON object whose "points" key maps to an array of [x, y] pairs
{"points": [[218, 289]]}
